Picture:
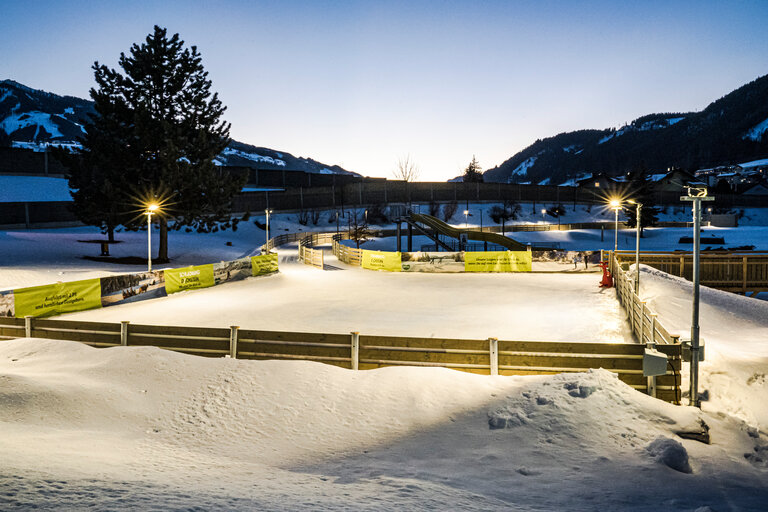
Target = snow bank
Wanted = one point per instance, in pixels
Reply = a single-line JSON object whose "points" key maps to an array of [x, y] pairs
{"points": [[81, 427]]}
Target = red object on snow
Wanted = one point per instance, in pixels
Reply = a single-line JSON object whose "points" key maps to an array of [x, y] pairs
{"points": [[607, 281]]}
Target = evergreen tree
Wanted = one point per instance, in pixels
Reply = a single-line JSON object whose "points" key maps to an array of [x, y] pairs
{"points": [[156, 132], [472, 173]]}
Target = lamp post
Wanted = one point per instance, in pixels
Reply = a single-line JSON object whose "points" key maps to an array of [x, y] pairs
{"points": [[543, 212], [267, 212], [616, 206], [466, 219], [639, 208], [696, 195], [151, 209]]}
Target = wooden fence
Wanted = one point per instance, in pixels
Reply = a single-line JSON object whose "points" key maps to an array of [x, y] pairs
{"points": [[363, 352], [646, 326], [739, 272]]}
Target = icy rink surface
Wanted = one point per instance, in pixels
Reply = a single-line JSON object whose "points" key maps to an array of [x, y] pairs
{"points": [[476, 306]]}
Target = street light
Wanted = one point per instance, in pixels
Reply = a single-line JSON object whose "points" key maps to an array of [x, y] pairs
{"points": [[639, 207], [151, 209], [615, 205], [466, 219], [267, 212], [543, 212]]}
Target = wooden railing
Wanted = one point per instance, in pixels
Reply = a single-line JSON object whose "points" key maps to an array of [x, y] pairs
{"points": [[645, 324], [739, 272], [356, 351], [348, 255]]}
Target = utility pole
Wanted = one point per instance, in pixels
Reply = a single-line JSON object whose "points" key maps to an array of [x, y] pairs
{"points": [[696, 195]]}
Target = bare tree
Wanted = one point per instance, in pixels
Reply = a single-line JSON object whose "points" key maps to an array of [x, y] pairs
{"points": [[357, 225], [406, 170]]}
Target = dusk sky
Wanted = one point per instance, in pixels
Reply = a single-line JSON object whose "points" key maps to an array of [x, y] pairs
{"points": [[360, 84]]}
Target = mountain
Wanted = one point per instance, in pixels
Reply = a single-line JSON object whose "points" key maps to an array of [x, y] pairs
{"points": [[730, 130], [30, 118]]}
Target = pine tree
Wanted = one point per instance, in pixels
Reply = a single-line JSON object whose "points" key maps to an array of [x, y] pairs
{"points": [[157, 130], [472, 173]]}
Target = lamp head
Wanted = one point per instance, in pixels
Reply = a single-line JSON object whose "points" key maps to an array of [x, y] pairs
{"points": [[615, 203]]}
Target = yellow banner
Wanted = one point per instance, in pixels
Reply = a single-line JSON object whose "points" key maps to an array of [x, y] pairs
{"points": [[379, 260], [54, 299], [188, 278], [264, 264], [507, 261]]}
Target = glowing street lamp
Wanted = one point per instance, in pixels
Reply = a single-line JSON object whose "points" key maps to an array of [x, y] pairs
{"points": [[639, 208], [615, 205], [543, 212], [151, 209], [466, 219]]}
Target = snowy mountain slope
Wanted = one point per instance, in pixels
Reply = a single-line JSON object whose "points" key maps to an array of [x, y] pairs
{"points": [[32, 119], [729, 130]]}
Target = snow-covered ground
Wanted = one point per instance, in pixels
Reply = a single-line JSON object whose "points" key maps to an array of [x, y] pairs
{"points": [[142, 428], [138, 427]]}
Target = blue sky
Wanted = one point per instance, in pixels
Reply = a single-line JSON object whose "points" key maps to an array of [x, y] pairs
{"points": [[361, 84]]}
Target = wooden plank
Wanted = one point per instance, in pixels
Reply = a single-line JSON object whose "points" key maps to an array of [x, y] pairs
{"points": [[562, 347], [419, 356], [178, 343], [75, 325], [248, 335], [11, 321], [164, 330], [85, 337], [294, 350], [554, 361], [279, 356], [423, 343]]}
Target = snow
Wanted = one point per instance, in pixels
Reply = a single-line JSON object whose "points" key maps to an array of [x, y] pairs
{"points": [[255, 157], [522, 169], [69, 110], [607, 138], [142, 428], [33, 188], [756, 133], [754, 163], [13, 122]]}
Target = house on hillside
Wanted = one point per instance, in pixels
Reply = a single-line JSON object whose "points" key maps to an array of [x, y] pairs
{"points": [[599, 181], [674, 181], [755, 189]]}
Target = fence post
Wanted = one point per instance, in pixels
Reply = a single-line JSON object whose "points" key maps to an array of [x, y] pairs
{"points": [[28, 326], [493, 344], [355, 356], [233, 341], [124, 332], [642, 320]]}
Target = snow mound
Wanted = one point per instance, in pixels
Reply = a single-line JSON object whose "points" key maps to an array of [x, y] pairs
{"points": [[670, 453]]}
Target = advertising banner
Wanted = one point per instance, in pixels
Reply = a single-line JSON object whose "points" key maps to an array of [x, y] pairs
{"points": [[506, 261], [54, 299], [6, 303], [188, 278], [433, 262], [236, 270], [264, 264], [379, 260], [132, 288]]}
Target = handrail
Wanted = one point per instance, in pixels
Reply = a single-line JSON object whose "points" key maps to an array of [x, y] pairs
{"points": [[480, 236]]}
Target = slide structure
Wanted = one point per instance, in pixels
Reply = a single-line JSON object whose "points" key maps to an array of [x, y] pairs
{"points": [[482, 236]]}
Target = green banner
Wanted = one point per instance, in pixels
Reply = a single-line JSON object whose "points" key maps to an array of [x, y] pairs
{"points": [[54, 299], [508, 261], [188, 278], [264, 264], [379, 260]]}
